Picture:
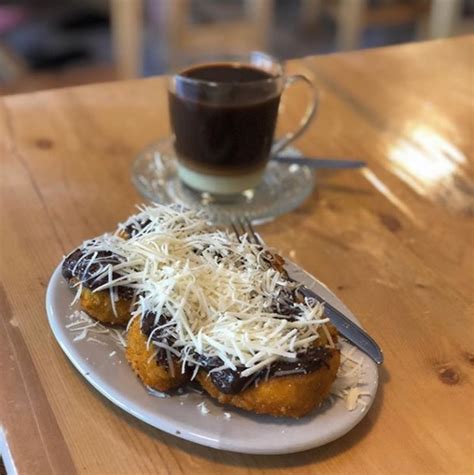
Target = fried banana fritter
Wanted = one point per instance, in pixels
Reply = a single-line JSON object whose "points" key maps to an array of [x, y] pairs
{"points": [[99, 306], [145, 364], [289, 396]]}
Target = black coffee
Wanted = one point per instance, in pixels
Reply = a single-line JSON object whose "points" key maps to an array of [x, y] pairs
{"points": [[233, 136]]}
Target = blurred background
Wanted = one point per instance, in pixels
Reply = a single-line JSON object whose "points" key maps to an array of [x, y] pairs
{"points": [[56, 43]]}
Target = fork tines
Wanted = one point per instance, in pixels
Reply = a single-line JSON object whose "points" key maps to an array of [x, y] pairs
{"points": [[243, 227]]}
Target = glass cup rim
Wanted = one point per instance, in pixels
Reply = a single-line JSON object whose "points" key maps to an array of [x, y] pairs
{"points": [[230, 59]]}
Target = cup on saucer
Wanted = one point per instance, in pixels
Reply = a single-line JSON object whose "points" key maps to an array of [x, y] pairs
{"points": [[223, 114]]}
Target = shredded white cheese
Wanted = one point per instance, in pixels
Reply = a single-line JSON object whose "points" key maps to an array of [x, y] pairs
{"points": [[155, 393], [347, 385], [203, 409], [219, 295], [91, 330]]}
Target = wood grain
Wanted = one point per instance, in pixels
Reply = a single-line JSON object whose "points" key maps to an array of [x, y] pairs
{"points": [[395, 242]]}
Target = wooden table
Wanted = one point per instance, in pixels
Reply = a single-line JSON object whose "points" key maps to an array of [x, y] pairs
{"points": [[395, 242]]}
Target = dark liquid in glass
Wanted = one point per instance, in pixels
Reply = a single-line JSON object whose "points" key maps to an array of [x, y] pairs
{"points": [[231, 138]]}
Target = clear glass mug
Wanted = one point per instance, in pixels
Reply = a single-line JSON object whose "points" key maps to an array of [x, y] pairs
{"points": [[223, 115]]}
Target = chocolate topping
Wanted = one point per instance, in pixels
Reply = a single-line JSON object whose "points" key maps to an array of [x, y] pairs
{"points": [[135, 227], [229, 381], [78, 266], [148, 323]]}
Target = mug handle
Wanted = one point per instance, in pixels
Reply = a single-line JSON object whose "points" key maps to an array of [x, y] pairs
{"points": [[308, 116]]}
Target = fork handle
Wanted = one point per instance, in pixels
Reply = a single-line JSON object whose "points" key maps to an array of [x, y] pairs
{"points": [[348, 329]]}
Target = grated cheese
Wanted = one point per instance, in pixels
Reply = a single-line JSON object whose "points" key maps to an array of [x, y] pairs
{"points": [[96, 340], [88, 329], [154, 392], [347, 385], [217, 292], [203, 409]]}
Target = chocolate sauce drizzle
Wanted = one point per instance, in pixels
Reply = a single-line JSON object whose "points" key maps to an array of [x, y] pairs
{"points": [[135, 227], [148, 323], [77, 266], [230, 381]]}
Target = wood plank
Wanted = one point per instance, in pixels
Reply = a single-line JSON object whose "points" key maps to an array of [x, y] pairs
{"points": [[399, 255]]}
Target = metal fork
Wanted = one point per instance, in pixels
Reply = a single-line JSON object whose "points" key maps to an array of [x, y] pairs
{"points": [[346, 327]]}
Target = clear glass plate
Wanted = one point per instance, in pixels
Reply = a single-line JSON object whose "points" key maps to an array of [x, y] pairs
{"points": [[283, 188]]}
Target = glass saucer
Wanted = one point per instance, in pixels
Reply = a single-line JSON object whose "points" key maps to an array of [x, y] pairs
{"points": [[282, 189]]}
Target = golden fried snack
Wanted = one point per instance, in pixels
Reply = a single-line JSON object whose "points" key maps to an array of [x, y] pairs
{"points": [[328, 337], [290, 396], [123, 234], [205, 297], [145, 364], [97, 304]]}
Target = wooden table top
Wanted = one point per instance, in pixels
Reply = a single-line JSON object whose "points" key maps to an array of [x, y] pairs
{"points": [[395, 242]]}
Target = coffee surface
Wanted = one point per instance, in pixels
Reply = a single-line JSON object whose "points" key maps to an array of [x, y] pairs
{"points": [[226, 73], [229, 138]]}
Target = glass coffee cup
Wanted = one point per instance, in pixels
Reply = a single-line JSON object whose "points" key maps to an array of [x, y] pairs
{"points": [[223, 115]]}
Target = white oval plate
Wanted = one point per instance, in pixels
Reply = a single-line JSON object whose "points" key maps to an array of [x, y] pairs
{"points": [[104, 365]]}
